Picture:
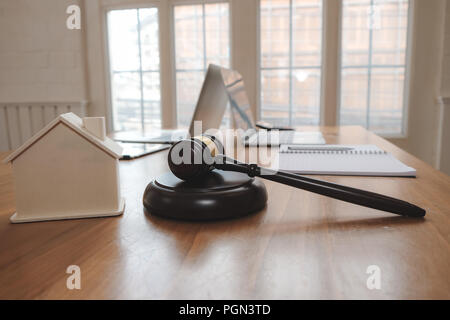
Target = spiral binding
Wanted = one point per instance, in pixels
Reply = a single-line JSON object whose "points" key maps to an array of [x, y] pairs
{"points": [[359, 152]]}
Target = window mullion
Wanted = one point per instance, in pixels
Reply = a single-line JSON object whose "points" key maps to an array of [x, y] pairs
{"points": [[204, 38], [141, 80], [330, 82], [192, 54], [167, 77], [369, 67], [290, 60]]}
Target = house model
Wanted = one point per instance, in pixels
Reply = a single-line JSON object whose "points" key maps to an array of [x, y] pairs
{"points": [[67, 170]]}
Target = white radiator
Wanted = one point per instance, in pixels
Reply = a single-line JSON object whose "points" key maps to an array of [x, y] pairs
{"points": [[19, 121]]}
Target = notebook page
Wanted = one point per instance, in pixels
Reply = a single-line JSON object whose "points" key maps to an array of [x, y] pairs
{"points": [[366, 160]]}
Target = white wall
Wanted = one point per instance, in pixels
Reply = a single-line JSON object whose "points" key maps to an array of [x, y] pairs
{"points": [[40, 59], [425, 80], [443, 160], [446, 55]]}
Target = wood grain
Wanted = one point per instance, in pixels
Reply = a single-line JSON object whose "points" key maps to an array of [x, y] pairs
{"points": [[302, 246]]}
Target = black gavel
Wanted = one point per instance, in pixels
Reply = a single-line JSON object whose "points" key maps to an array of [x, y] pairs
{"points": [[191, 159]]}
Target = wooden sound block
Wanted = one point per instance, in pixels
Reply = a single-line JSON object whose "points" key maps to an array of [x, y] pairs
{"points": [[218, 195]]}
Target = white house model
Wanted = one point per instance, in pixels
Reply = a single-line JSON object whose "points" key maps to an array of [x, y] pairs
{"points": [[67, 170]]}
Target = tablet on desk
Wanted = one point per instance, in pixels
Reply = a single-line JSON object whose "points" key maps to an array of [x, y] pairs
{"points": [[137, 150]]}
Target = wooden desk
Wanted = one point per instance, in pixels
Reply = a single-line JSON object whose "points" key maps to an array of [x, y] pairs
{"points": [[302, 246]]}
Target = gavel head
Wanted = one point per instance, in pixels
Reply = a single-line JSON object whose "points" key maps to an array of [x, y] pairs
{"points": [[191, 159]]}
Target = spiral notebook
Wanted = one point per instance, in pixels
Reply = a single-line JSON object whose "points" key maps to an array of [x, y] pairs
{"points": [[356, 160]]}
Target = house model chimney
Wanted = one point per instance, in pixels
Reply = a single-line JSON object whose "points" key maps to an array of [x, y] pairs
{"points": [[95, 126]]}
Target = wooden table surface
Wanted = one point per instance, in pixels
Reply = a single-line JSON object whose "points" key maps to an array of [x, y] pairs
{"points": [[302, 246]]}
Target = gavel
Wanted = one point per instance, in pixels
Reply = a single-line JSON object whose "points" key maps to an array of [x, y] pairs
{"points": [[192, 159]]}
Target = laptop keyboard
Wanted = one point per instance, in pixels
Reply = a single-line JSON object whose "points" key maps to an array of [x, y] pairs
{"points": [[264, 138], [282, 137], [286, 136]]}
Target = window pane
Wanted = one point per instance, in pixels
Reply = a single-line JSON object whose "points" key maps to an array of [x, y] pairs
{"points": [[374, 41], [188, 84], [305, 96], [152, 100], [134, 67], [126, 102], [386, 99], [217, 34], [389, 37], [149, 39], [307, 33], [123, 40], [291, 46], [353, 96], [189, 37], [201, 37], [275, 96], [274, 33], [355, 33]]}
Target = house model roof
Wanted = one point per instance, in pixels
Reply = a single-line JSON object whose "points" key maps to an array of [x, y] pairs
{"points": [[76, 124]]}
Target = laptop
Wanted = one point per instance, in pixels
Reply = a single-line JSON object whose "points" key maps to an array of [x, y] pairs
{"points": [[210, 108], [243, 119], [222, 85]]}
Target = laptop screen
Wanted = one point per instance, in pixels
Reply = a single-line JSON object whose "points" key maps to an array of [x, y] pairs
{"points": [[239, 104]]}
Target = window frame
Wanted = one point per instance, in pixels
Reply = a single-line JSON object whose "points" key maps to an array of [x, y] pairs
{"points": [[169, 118], [330, 94], [173, 4], [124, 5], [333, 104], [406, 84], [290, 68]]}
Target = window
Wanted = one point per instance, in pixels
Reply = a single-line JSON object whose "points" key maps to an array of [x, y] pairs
{"points": [[374, 40], [290, 61], [134, 68], [372, 67], [361, 79], [201, 37]]}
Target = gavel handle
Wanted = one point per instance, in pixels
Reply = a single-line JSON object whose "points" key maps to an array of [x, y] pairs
{"points": [[336, 191]]}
